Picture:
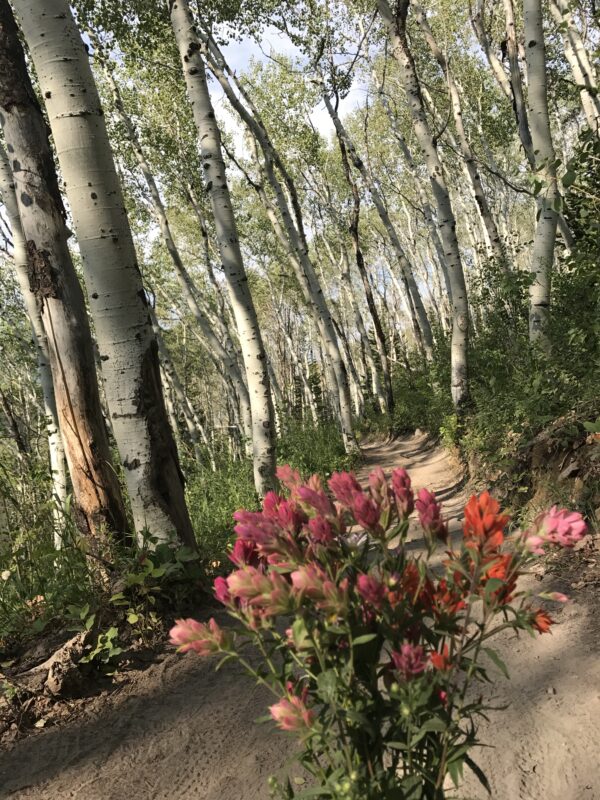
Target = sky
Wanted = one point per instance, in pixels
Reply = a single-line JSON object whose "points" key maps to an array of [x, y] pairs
{"points": [[238, 55]]}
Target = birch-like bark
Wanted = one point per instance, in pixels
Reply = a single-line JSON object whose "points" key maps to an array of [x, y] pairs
{"points": [[117, 299], [294, 239], [224, 351], [263, 431], [425, 332], [581, 66], [463, 140], [56, 450], [54, 297], [516, 83], [396, 25], [193, 425], [354, 228], [421, 191], [545, 158]]}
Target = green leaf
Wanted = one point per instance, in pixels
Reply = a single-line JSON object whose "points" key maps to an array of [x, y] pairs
{"points": [[476, 769], [366, 637], [493, 656], [132, 617], [455, 770]]}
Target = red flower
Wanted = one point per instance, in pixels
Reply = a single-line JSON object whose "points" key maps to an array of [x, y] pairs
{"points": [[440, 661], [502, 569], [244, 552], [484, 525], [542, 621]]}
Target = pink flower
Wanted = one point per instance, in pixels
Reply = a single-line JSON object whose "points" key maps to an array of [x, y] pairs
{"points": [[430, 511], [564, 528], [401, 485], [189, 634], [366, 512], [317, 500], [371, 590], [283, 512], [291, 714], [309, 580], [559, 527], [248, 583], [312, 581], [289, 477], [344, 487], [320, 531], [558, 597], [221, 591], [244, 553], [410, 661]]}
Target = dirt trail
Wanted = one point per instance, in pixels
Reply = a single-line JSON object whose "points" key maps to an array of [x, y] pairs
{"points": [[178, 730]]}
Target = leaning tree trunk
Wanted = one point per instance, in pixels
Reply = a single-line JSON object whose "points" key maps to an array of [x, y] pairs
{"points": [[291, 233], [354, 228], [255, 362], [581, 66], [56, 450], [483, 207], [54, 298], [424, 333], [117, 299], [396, 24], [539, 120]]}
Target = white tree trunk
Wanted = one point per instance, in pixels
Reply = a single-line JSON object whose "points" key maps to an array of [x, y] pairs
{"points": [[56, 450], [51, 285], [545, 158], [581, 66], [117, 300], [396, 24], [405, 266], [263, 433], [495, 241], [225, 351]]}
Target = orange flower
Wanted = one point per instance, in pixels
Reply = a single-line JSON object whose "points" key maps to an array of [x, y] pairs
{"points": [[542, 621], [502, 569], [484, 525], [440, 660]]}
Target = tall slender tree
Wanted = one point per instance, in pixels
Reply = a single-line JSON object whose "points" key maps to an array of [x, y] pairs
{"points": [[116, 294]]}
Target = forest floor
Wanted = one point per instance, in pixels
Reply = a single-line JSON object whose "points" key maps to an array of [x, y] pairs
{"points": [[177, 729]]}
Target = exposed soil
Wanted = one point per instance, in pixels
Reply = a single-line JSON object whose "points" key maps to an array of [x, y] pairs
{"points": [[177, 729]]}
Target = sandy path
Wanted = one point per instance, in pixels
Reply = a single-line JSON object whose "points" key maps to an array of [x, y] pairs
{"points": [[178, 730]]}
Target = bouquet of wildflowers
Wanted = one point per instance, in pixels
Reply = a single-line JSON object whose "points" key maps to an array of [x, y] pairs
{"points": [[379, 642]]}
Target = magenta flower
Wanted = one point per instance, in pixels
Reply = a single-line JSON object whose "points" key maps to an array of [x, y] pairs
{"points": [[291, 714], [317, 500], [366, 511], [283, 512], [221, 591], [344, 488], [371, 590], [401, 485], [189, 634], [410, 661], [430, 515], [320, 531], [244, 553]]}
